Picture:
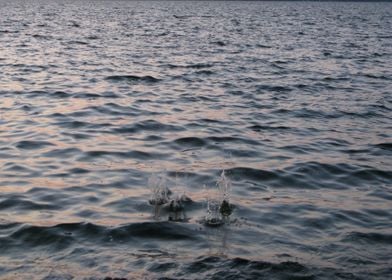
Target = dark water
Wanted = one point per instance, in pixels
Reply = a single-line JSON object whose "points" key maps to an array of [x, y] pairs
{"points": [[293, 100]]}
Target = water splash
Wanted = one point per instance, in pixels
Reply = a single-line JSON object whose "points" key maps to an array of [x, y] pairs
{"points": [[162, 197], [214, 217], [219, 208], [177, 208], [224, 185], [160, 193]]}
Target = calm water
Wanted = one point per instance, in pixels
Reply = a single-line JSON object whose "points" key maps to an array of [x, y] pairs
{"points": [[293, 100]]}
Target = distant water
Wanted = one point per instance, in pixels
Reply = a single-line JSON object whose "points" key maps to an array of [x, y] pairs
{"points": [[293, 100]]}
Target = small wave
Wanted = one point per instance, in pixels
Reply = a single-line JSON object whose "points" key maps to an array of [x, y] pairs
{"points": [[92, 37], [268, 127], [141, 155], [9, 31], [251, 174], [62, 236], [72, 124], [384, 146], [376, 77], [132, 79], [11, 167], [312, 113], [60, 94], [32, 145], [373, 175], [336, 79], [383, 194], [18, 202], [213, 142], [191, 16], [323, 171], [78, 43], [233, 139], [89, 95], [220, 268], [54, 238], [361, 114], [262, 46], [369, 237], [190, 142], [314, 175], [273, 88], [210, 121], [7, 155], [113, 109], [78, 135], [74, 24], [192, 65], [160, 230], [205, 72], [78, 171], [147, 125], [219, 43], [42, 37]]}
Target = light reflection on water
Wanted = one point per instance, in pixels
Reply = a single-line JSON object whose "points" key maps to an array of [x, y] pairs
{"points": [[292, 100]]}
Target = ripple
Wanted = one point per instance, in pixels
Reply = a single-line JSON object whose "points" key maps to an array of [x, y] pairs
{"points": [[24, 204], [313, 175], [162, 230], [132, 79], [369, 238], [32, 145], [190, 142], [141, 155], [192, 65], [77, 42], [384, 146], [268, 127], [219, 268], [302, 132], [73, 124], [18, 168], [147, 125], [41, 37], [233, 139], [272, 88], [62, 236], [252, 174]]}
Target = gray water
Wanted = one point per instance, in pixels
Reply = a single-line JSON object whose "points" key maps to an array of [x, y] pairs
{"points": [[292, 99]]}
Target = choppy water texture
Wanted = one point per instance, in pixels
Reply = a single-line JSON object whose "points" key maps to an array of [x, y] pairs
{"points": [[293, 100]]}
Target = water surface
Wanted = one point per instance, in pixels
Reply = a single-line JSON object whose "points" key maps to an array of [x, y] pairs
{"points": [[293, 100]]}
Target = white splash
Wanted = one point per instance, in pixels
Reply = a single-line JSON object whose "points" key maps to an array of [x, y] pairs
{"points": [[218, 202], [159, 193]]}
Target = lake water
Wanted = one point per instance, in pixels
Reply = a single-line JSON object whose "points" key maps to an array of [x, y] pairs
{"points": [[292, 99]]}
